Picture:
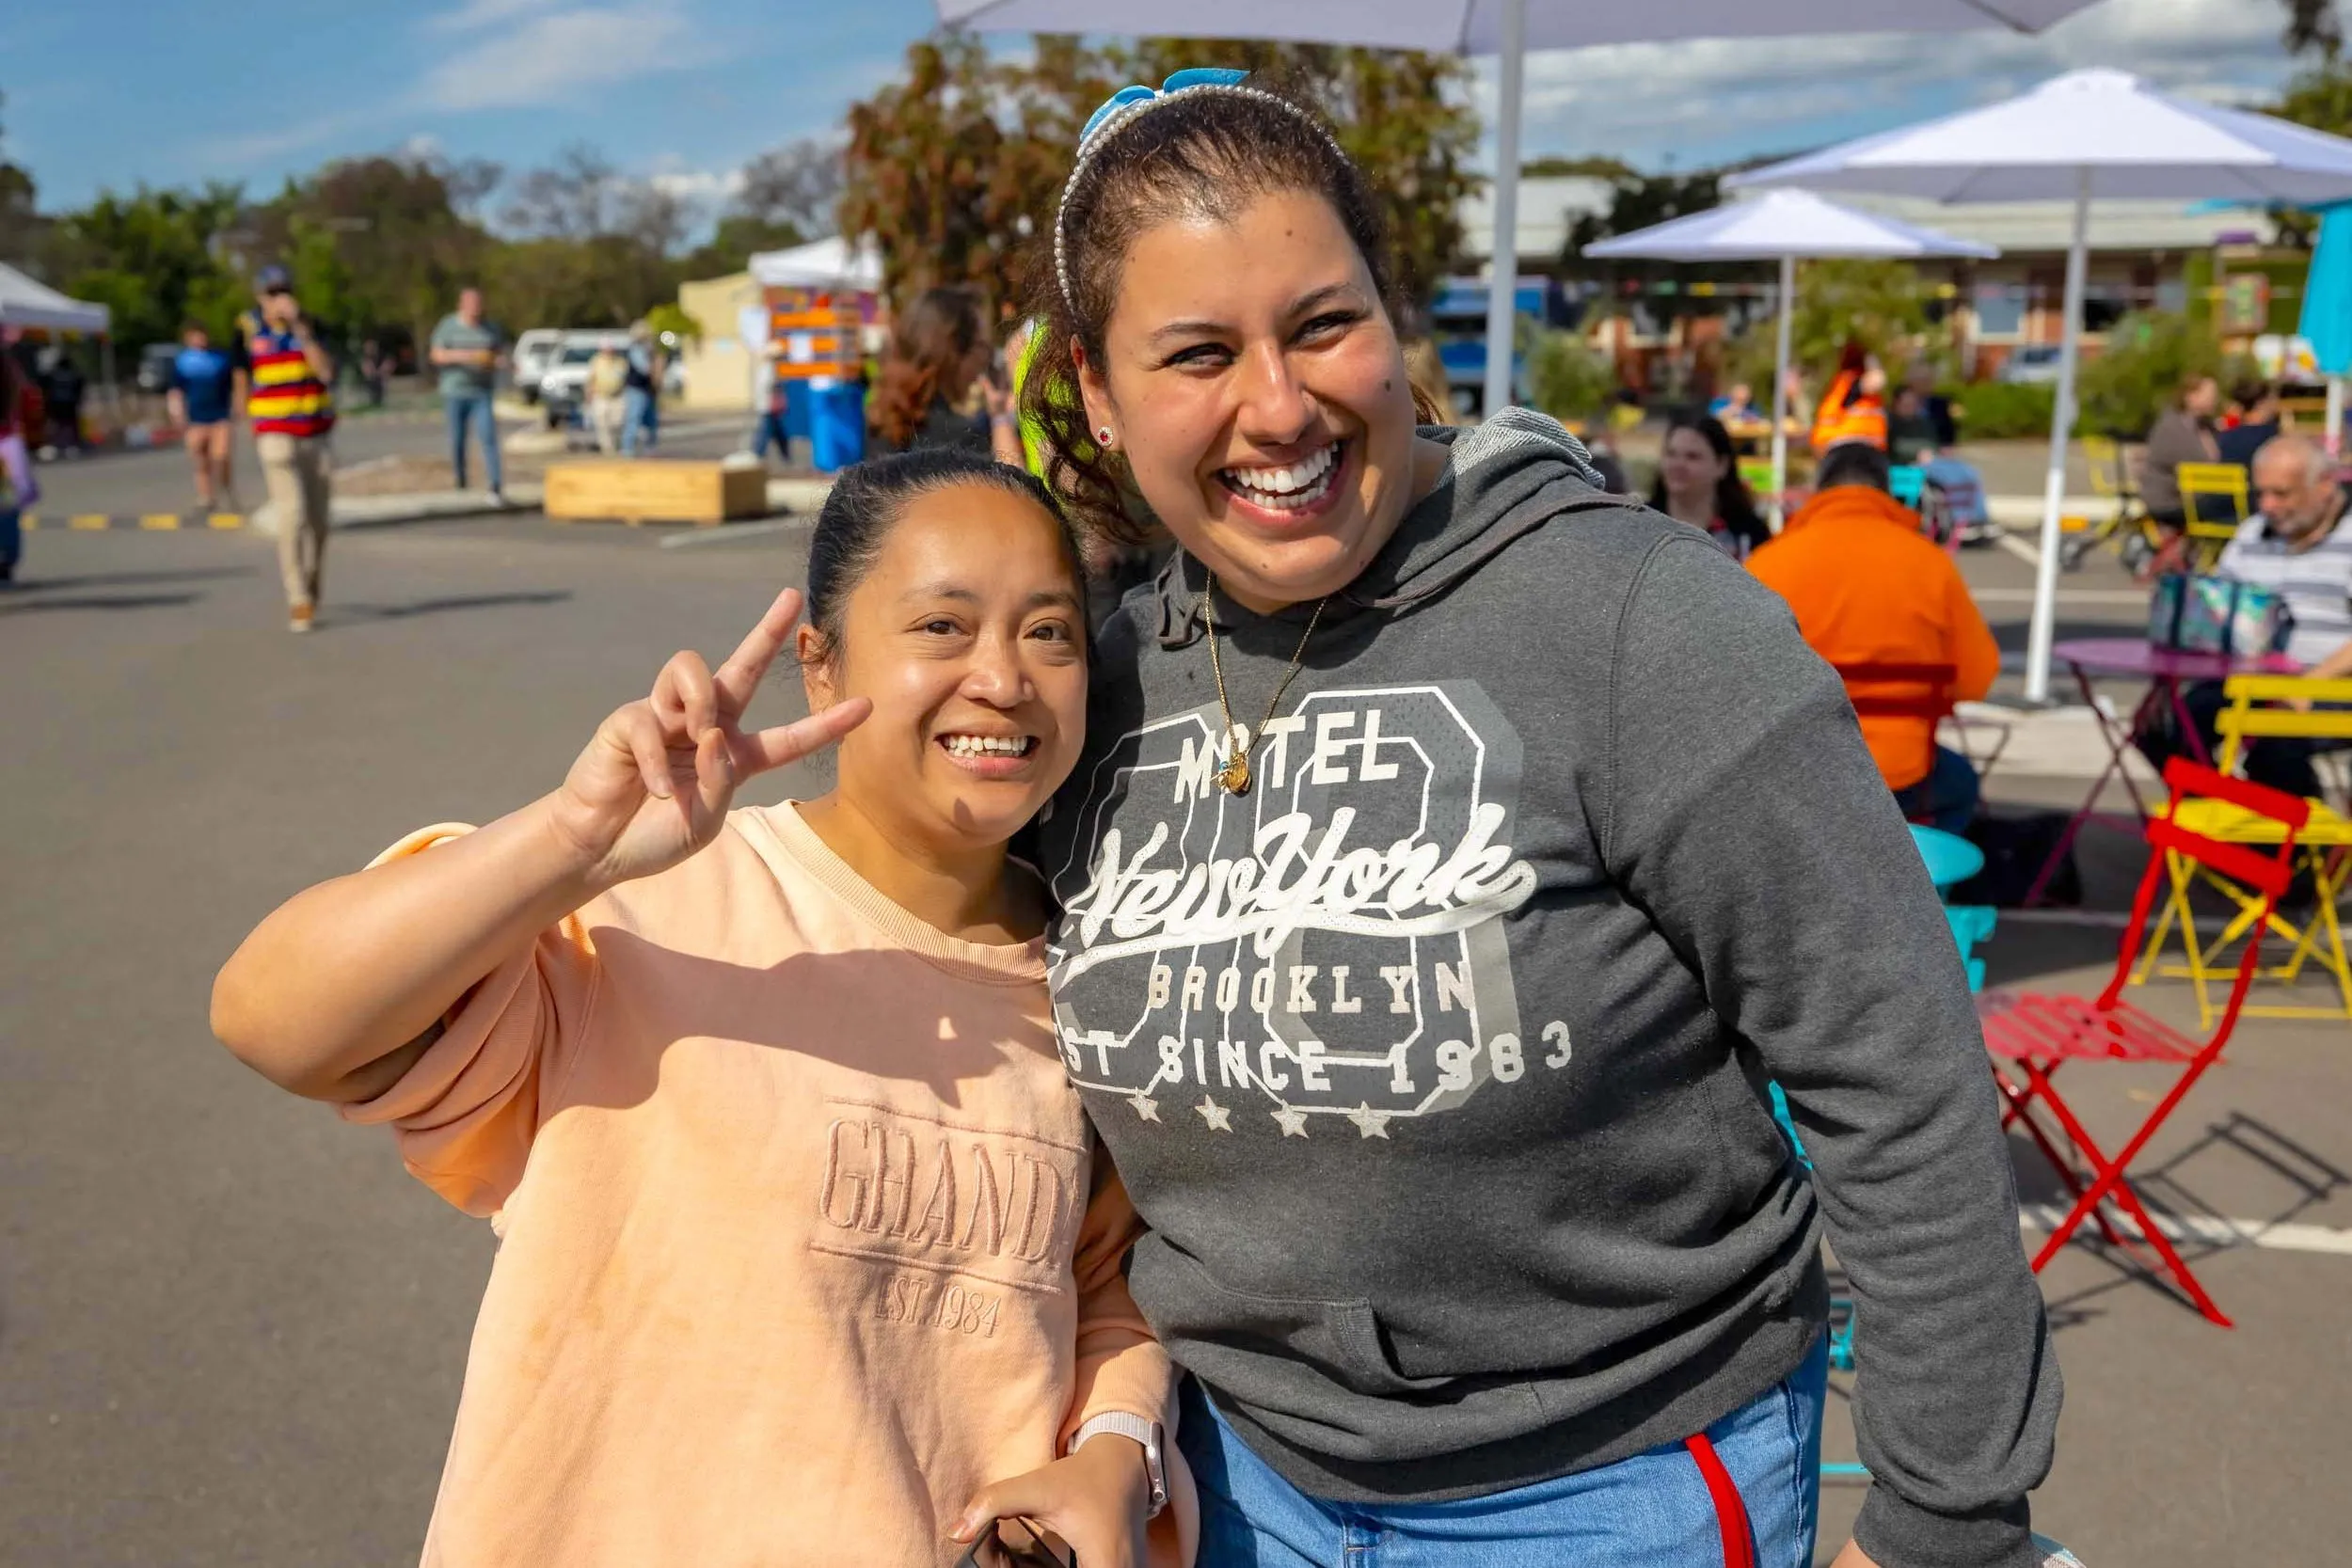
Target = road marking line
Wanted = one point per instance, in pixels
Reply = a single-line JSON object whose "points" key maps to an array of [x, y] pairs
{"points": [[2066, 596], [158, 522], [2216, 1229], [88, 522], [2019, 549], [732, 530]]}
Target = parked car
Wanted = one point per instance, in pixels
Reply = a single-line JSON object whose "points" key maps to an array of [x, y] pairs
{"points": [[563, 387], [154, 371], [2030, 362], [535, 352]]}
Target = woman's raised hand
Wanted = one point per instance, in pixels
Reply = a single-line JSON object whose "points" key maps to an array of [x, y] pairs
{"points": [[656, 783]]}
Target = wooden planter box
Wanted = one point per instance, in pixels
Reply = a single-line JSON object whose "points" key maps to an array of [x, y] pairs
{"points": [[655, 490]]}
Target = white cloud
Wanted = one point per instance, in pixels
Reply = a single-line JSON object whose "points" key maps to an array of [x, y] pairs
{"points": [[1707, 101], [421, 148], [697, 184], [546, 55], [476, 14]]}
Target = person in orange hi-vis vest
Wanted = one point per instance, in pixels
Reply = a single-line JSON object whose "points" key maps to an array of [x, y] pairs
{"points": [[1854, 408], [288, 374]]}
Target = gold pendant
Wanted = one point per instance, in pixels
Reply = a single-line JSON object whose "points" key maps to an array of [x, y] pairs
{"points": [[1235, 775]]}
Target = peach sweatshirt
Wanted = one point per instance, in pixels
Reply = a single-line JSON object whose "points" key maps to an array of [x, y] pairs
{"points": [[799, 1245]]}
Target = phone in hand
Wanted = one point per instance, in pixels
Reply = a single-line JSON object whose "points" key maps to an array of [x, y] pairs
{"points": [[1016, 1544]]}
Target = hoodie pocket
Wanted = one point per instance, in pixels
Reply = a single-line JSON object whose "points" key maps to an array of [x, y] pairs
{"points": [[1236, 1337]]}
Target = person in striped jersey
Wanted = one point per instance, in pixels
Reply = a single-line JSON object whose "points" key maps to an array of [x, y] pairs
{"points": [[292, 412]]}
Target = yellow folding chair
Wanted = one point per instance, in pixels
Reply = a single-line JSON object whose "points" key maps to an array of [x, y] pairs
{"points": [[2258, 710], [2127, 526], [2224, 481]]}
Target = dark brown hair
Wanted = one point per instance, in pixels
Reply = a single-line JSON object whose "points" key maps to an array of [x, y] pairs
{"points": [[930, 344], [1201, 155], [866, 502]]}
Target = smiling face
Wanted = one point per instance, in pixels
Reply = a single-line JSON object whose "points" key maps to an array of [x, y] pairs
{"points": [[1256, 387], [968, 634]]}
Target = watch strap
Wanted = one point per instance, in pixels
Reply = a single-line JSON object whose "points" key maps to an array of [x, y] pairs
{"points": [[1120, 1424]]}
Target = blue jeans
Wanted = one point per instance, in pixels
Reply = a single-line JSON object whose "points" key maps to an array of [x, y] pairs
{"points": [[1947, 797], [637, 426], [471, 410], [1651, 1510], [11, 537], [770, 431]]}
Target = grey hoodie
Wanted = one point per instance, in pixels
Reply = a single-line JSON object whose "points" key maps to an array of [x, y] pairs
{"points": [[1437, 1062]]}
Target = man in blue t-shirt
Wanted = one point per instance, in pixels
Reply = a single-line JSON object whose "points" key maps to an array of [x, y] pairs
{"points": [[207, 388]]}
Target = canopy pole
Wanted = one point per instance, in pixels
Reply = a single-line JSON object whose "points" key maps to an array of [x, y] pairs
{"points": [[2061, 425], [1504, 284], [1780, 391]]}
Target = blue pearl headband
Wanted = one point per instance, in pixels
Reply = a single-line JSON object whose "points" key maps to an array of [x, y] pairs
{"points": [[1128, 104]]}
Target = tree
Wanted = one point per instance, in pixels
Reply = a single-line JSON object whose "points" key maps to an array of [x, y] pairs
{"points": [[1406, 117], [20, 224], [156, 259], [1554, 167], [2148, 355], [955, 169], [795, 187], [922, 176], [1879, 305], [380, 244], [2313, 29]]}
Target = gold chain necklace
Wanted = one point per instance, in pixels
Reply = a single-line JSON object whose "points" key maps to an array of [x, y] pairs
{"points": [[1235, 775]]}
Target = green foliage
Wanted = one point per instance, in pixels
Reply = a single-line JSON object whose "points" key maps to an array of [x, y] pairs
{"points": [[956, 167], [2147, 357], [1880, 305], [154, 258], [1404, 118], [670, 320], [1553, 167], [2004, 410], [739, 237], [1566, 378], [2320, 98]]}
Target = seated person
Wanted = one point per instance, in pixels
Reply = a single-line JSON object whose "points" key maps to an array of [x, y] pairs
{"points": [[2296, 542], [2183, 434], [1910, 434], [1941, 415], [1736, 407], [1869, 588], [2257, 423]]}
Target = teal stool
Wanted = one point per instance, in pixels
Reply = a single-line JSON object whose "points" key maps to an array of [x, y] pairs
{"points": [[1951, 860]]}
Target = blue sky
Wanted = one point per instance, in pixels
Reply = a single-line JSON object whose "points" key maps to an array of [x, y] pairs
{"points": [[113, 93]]}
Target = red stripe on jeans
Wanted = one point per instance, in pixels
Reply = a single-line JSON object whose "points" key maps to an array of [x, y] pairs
{"points": [[1731, 1515]]}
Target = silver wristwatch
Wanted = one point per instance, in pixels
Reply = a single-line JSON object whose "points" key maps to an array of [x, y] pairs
{"points": [[1118, 1423]]}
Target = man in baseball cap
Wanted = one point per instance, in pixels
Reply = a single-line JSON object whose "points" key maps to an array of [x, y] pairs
{"points": [[291, 413]]}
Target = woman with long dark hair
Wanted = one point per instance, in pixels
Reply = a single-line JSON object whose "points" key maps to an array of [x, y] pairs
{"points": [[1698, 483], [939, 349], [1418, 980]]}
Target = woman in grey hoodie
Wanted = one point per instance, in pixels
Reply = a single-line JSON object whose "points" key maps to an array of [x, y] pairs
{"points": [[1458, 853]]}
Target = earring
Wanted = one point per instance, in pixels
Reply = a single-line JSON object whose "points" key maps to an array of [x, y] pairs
{"points": [[1104, 435]]}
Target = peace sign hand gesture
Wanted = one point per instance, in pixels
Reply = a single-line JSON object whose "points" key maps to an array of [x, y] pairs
{"points": [[655, 784]]}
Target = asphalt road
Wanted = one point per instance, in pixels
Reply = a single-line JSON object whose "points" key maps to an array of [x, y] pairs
{"points": [[231, 1329]]}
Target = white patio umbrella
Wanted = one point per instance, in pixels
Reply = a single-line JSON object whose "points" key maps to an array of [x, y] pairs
{"points": [[1784, 226], [1508, 29], [2086, 134]]}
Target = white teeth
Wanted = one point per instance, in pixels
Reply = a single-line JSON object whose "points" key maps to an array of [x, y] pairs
{"points": [[987, 745], [1294, 485]]}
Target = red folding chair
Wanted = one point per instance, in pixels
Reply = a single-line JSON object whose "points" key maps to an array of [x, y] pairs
{"points": [[2040, 1033]]}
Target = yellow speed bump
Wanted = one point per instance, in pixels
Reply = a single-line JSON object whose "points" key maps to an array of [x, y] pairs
{"points": [[156, 521]]}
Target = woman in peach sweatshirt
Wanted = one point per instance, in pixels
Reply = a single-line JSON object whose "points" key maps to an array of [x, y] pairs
{"points": [[806, 1248]]}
